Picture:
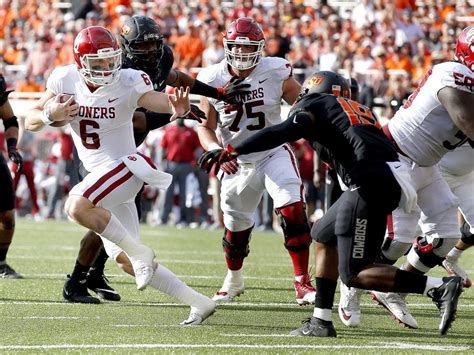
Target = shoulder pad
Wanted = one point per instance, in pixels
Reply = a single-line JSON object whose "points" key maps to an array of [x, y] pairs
{"points": [[62, 71], [209, 74], [129, 77]]}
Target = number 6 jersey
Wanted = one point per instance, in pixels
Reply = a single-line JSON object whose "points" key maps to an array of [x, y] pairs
{"points": [[423, 128], [102, 130], [260, 108]]}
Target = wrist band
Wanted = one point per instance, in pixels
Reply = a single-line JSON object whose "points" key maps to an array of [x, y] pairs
{"points": [[185, 114], [213, 146], [46, 116]]}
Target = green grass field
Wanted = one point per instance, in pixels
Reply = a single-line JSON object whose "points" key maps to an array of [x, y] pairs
{"points": [[35, 319]]}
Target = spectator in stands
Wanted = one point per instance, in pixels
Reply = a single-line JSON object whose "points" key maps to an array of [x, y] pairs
{"points": [[41, 60], [189, 48]]}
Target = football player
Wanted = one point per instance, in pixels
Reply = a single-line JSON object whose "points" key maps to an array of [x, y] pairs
{"points": [[103, 99], [437, 118], [275, 170], [143, 49], [7, 195], [352, 230]]}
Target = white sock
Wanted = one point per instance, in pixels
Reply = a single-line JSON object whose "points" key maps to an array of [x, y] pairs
{"points": [[454, 254], [322, 313], [232, 279], [166, 281], [116, 233], [432, 282]]}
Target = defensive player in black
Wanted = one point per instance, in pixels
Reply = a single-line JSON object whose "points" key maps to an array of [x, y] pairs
{"points": [[143, 49], [349, 236], [7, 193]]}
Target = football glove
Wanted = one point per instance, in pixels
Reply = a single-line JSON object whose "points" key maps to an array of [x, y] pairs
{"points": [[232, 90], [224, 159], [16, 158], [194, 114]]}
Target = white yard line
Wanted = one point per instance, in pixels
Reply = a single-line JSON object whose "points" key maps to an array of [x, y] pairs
{"points": [[406, 346]]}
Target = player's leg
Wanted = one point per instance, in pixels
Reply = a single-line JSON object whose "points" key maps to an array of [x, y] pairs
{"points": [[163, 279], [95, 189], [7, 220], [238, 209], [283, 183]]}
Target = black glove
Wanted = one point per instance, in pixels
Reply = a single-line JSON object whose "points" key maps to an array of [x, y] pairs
{"points": [[16, 158], [224, 159], [194, 114], [232, 90]]}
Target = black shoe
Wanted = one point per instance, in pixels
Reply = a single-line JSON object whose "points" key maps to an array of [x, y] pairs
{"points": [[315, 327], [446, 299], [98, 284], [76, 291], [6, 272]]}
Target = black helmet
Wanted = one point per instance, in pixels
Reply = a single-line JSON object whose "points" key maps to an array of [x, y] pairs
{"points": [[326, 82], [354, 89], [136, 31]]}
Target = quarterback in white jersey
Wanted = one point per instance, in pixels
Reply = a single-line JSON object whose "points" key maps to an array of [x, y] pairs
{"points": [[244, 182], [436, 118], [103, 98]]}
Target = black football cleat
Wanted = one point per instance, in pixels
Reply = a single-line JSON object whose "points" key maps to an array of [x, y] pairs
{"points": [[6, 272], [315, 327], [75, 291], [446, 299], [98, 284]]}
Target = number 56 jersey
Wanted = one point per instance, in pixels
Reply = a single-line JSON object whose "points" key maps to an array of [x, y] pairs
{"points": [[102, 130], [422, 128], [260, 108]]}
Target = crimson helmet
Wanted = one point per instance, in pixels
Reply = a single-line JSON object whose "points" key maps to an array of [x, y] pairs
{"points": [[98, 56], [326, 82], [243, 31], [465, 47]]}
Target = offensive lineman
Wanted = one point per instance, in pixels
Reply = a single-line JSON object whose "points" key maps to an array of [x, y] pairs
{"points": [[142, 44], [275, 170], [352, 230], [100, 109]]}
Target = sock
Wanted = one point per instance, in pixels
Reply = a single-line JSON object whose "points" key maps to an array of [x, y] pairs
{"points": [[233, 277], [300, 261], [409, 282], [166, 281], [324, 314], [80, 271], [432, 282], [116, 233], [324, 298], [98, 266], [454, 254], [3, 255]]}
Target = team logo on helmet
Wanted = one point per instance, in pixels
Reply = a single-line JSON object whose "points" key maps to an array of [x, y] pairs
{"points": [[313, 81], [126, 30]]}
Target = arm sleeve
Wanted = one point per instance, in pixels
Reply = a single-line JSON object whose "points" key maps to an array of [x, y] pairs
{"points": [[290, 130]]}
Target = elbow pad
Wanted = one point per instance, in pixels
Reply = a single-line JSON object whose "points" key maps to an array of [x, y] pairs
{"points": [[10, 122]]}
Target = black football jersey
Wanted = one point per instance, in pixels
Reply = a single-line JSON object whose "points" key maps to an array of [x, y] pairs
{"points": [[345, 132]]}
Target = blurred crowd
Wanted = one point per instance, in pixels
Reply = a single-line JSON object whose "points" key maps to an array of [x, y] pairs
{"points": [[387, 46]]}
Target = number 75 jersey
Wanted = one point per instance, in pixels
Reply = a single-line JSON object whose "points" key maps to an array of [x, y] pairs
{"points": [[102, 130], [423, 128], [260, 108]]}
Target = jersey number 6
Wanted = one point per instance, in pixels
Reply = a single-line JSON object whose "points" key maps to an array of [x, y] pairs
{"points": [[89, 140]]}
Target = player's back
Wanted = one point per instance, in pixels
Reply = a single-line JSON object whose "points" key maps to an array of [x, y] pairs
{"points": [[260, 108], [423, 128], [102, 130], [348, 130]]}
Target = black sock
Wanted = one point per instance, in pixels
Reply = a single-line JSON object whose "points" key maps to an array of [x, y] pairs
{"points": [[409, 282], [325, 291], [3, 255], [98, 266], [80, 271]]}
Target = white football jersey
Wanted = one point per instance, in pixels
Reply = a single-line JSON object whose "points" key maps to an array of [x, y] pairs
{"points": [[423, 128], [261, 107], [102, 130]]}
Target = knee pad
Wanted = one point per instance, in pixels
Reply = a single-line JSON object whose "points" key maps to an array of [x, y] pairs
{"points": [[466, 236], [236, 244], [425, 255], [294, 222], [392, 250]]}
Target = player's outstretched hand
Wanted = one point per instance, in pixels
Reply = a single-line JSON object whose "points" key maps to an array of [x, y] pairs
{"points": [[232, 90], [180, 103], [224, 159]]}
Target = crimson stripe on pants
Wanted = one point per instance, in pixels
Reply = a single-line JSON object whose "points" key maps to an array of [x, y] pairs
{"points": [[112, 187], [103, 179]]}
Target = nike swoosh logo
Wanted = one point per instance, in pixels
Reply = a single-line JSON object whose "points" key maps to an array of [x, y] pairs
{"points": [[306, 332], [355, 188], [262, 81], [112, 100], [106, 290], [345, 316]]}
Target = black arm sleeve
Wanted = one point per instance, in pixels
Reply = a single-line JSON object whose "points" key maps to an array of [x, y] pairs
{"points": [[199, 88], [294, 128], [156, 120]]}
